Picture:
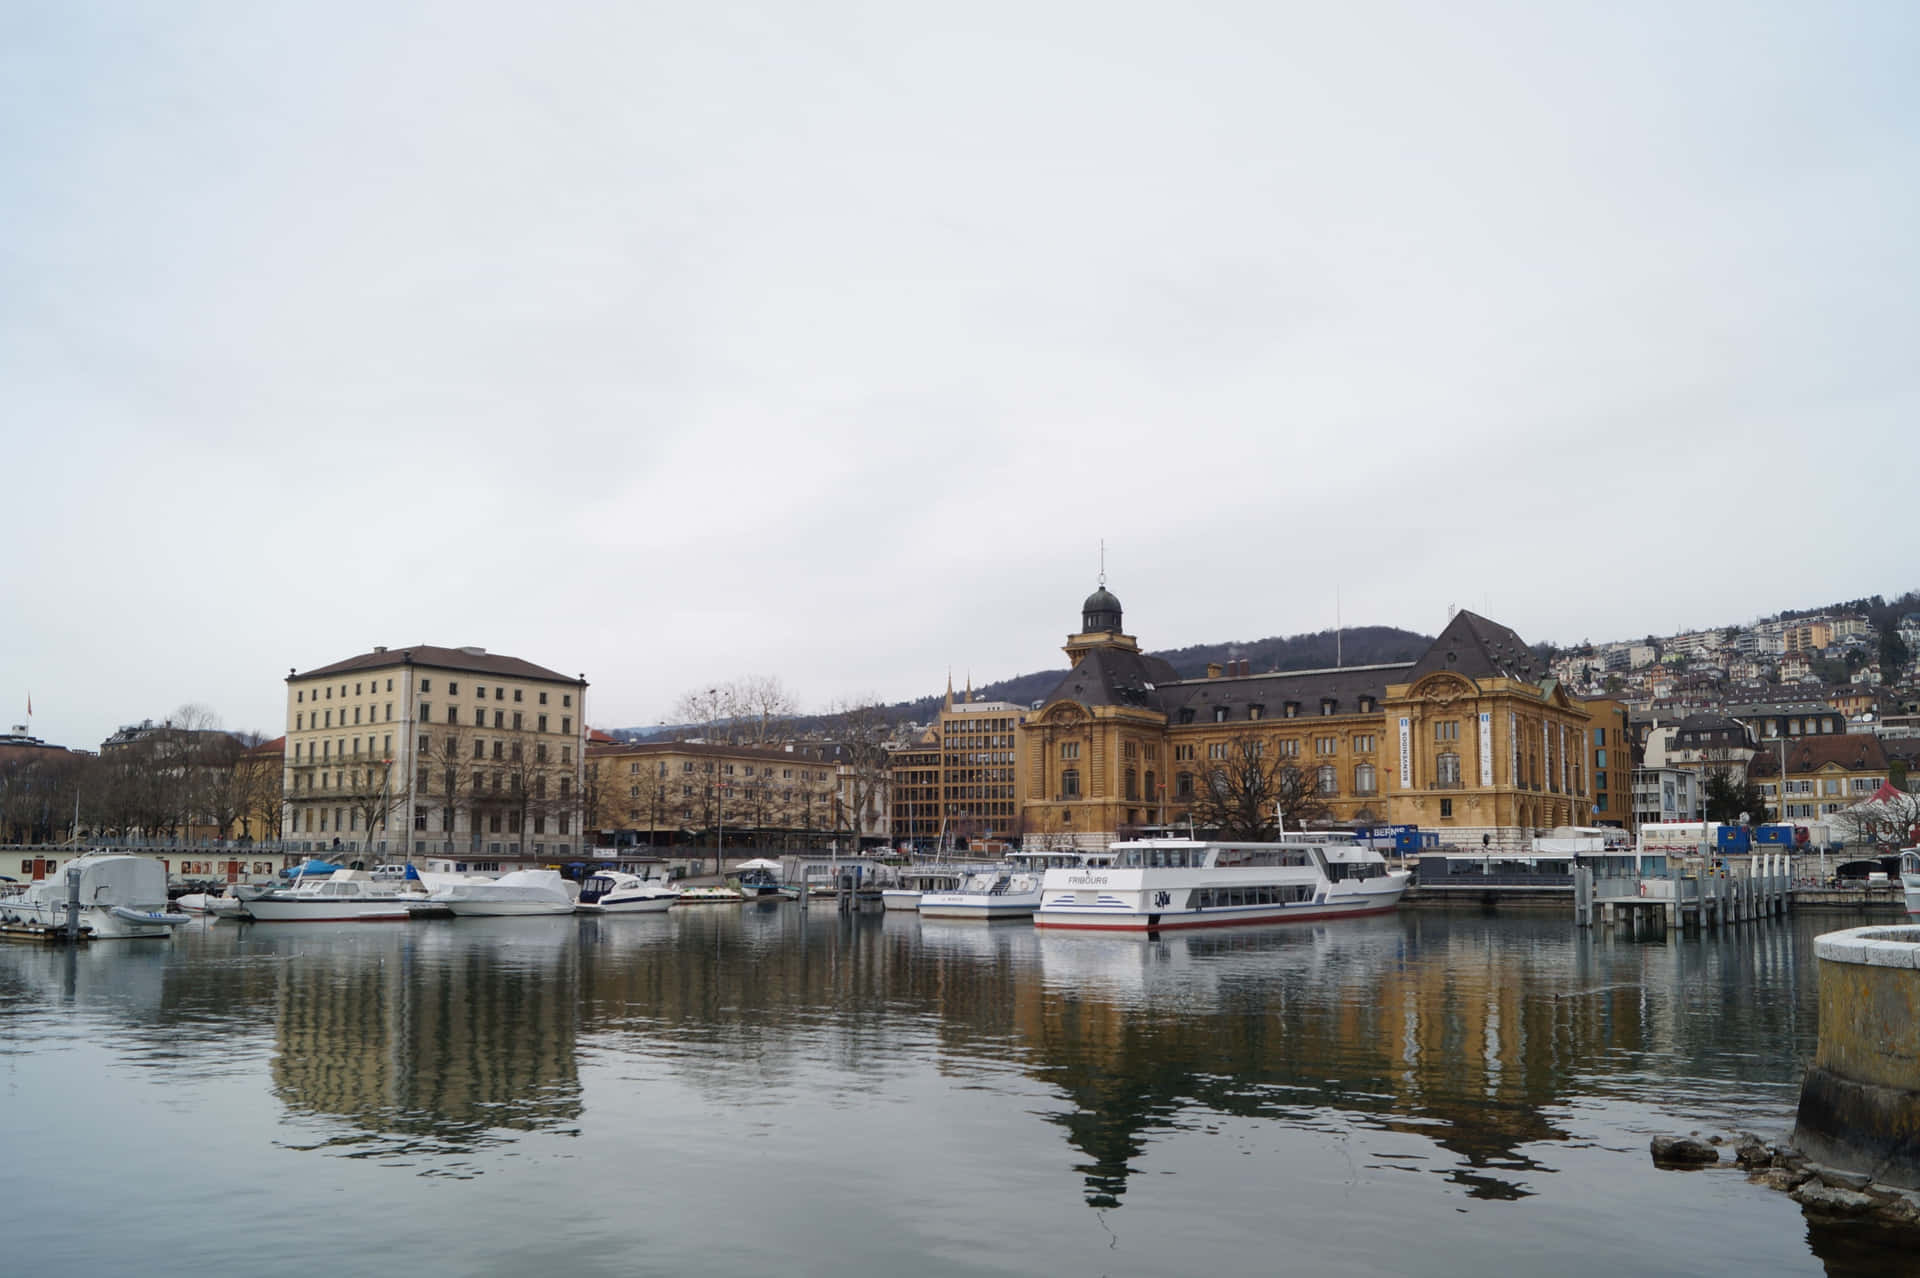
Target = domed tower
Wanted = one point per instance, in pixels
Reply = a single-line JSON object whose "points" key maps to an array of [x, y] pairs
{"points": [[1099, 625], [1101, 612]]}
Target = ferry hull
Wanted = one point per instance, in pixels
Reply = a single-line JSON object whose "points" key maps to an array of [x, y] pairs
{"points": [[1114, 921], [967, 910]]}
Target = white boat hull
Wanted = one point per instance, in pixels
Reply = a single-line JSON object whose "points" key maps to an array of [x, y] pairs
{"points": [[900, 899], [642, 905], [1910, 887], [954, 905], [507, 908], [323, 910]]}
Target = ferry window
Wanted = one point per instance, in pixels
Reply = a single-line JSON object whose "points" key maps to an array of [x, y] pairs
{"points": [[1155, 859], [1177, 857]]}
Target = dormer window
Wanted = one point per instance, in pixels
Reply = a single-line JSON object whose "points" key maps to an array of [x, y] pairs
{"points": [[1293, 709], [1256, 712], [1219, 714], [1186, 714], [1327, 705], [1366, 705]]}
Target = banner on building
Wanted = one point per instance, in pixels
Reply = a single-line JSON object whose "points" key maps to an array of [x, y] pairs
{"points": [[1486, 748], [1406, 753]]}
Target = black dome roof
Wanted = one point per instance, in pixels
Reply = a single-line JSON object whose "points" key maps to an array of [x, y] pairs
{"points": [[1101, 600]]}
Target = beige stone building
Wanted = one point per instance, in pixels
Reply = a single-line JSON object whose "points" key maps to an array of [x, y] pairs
{"points": [[1474, 739], [429, 750], [695, 792]]}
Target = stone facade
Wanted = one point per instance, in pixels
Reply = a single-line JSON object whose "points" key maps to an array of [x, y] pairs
{"points": [[1473, 739], [430, 750]]}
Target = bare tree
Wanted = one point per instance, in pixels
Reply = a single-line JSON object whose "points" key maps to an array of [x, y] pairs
{"points": [[1890, 823], [259, 784], [1244, 794], [864, 769], [756, 710], [443, 780]]}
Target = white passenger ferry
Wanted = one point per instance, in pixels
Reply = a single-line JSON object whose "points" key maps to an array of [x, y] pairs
{"points": [[1159, 884]]}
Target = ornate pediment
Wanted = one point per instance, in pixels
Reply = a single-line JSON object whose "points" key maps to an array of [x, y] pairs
{"points": [[1443, 689]]}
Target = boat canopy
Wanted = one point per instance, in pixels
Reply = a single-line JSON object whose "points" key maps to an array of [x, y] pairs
{"points": [[113, 880], [758, 863]]}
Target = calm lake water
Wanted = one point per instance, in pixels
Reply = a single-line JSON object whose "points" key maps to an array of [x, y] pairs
{"points": [[764, 1090]]}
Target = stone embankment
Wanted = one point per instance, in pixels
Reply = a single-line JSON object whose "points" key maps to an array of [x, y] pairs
{"points": [[1830, 1195]]}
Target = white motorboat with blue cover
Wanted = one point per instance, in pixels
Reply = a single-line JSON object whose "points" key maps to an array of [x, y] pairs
{"points": [[119, 896], [1158, 884]]}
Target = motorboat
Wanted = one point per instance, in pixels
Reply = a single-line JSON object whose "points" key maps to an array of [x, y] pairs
{"points": [[1151, 885], [520, 892], [345, 896], [1910, 879], [709, 896], [616, 892], [120, 896]]}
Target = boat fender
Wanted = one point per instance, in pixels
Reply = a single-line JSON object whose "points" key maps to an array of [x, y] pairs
{"points": [[1643, 889]]}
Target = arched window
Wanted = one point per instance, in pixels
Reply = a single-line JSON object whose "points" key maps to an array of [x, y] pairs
{"points": [[1327, 782], [1133, 786], [1183, 786], [1365, 779], [1447, 769], [1070, 783]]}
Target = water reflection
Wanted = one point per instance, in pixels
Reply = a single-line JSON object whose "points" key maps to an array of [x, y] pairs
{"points": [[1478, 1058]]}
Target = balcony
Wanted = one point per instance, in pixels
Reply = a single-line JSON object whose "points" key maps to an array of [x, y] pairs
{"points": [[1447, 783], [1364, 791]]}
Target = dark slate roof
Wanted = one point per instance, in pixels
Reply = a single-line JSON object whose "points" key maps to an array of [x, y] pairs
{"points": [[423, 654], [1857, 751], [1343, 685], [1473, 646], [1101, 600], [1115, 677]]}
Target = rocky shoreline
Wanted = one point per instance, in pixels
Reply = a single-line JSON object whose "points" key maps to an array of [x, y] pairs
{"points": [[1828, 1195]]}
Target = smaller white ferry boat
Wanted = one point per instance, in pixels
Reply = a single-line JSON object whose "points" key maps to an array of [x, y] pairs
{"points": [[1153, 885], [1010, 890], [521, 892], [120, 896], [616, 892], [914, 881]]}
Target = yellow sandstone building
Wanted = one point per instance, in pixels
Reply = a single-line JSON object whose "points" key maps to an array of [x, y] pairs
{"points": [[1474, 740]]}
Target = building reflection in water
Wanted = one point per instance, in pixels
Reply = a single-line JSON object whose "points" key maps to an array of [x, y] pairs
{"points": [[430, 1040], [1474, 1039]]}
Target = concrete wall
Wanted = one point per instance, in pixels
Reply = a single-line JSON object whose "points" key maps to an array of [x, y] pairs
{"points": [[1860, 1103]]}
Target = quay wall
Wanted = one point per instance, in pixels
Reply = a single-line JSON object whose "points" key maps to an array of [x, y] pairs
{"points": [[1860, 1102]]}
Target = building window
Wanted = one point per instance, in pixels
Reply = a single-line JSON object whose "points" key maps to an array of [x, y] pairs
{"points": [[1327, 781], [453, 714], [426, 685], [566, 699], [516, 721], [542, 724], [480, 691], [1363, 744], [566, 725], [516, 697], [1069, 749], [426, 712], [1446, 807], [1288, 749], [1326, 745], [1219, 714], [1217, 750], [543, 698], [1183, 754], [453, 688], [1447, 768], [1183, 785], [1364, 779], [1070, 783], [1446, 730], [1256, 712]]}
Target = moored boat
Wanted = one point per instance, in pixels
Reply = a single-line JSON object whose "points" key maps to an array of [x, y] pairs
{"points": [[346, 896], [1160, 884], [1910, 879], [616, 892], [521, 892], [120, 897], [1010, 890]]}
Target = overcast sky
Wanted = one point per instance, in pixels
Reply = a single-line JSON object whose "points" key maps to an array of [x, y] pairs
{"points": [[670, 343]]}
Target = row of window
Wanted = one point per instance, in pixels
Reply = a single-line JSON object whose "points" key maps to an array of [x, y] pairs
{"points": [[500, 722], [480, 692], [322, 751], [372, 685], [1329, 707], [324, 718], [1228, 898]]}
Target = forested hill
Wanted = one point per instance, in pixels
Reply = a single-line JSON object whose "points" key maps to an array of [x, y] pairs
{"points": [[1360, 646]]}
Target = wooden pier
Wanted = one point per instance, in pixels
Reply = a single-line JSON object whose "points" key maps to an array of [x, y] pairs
{"points": [[1708, 897], [45, 933]]}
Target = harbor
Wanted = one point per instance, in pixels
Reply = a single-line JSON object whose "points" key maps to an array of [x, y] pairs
{"points": [[1098, 1098]]}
